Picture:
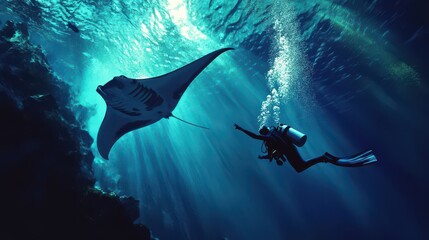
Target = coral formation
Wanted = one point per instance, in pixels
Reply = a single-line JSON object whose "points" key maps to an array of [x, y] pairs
{"points": [[46, 163]]}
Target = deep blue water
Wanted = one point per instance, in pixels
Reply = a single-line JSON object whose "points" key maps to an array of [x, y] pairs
{"points": [[352, 75]]}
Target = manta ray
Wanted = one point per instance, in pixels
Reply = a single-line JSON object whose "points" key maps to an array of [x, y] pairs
{"points": [[136, 103]]}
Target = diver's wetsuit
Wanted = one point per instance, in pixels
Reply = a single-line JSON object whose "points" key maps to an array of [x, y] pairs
{"points": [[288, 150], [300, 164]]}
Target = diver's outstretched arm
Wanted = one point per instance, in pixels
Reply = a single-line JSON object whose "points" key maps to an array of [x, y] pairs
{"points": [[265, 157], [250, 134]]}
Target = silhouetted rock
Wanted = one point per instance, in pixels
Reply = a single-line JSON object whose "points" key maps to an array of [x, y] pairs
{"points": [[46, 176]]}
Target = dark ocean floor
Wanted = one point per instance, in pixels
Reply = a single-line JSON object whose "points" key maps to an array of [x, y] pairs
{"points": [[46, 174]]}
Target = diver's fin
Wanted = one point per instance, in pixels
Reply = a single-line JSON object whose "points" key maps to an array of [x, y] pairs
{"points": [[360, 159]]}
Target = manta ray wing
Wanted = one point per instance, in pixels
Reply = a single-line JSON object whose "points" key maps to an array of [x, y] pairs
{"points": [[136, 103], [115, 126], [173, 84]]}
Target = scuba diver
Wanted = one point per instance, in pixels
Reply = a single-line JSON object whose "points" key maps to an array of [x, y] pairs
{"points": [[280, 143]]}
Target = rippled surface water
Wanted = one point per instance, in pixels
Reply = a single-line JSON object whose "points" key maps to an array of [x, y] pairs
{"points": [[350, 74]]}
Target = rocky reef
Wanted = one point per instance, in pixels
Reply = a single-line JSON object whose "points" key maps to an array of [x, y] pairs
{"points": [[46, 176]]}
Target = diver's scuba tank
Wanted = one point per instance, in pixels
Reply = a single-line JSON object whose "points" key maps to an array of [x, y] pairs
{"points": [[298, 138]]}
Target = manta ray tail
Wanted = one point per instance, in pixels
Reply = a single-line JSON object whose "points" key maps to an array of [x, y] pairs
{"points": [[195, 125]]}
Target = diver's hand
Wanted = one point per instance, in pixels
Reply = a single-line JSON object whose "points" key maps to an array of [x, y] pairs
{"points": [[237, 127]]}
